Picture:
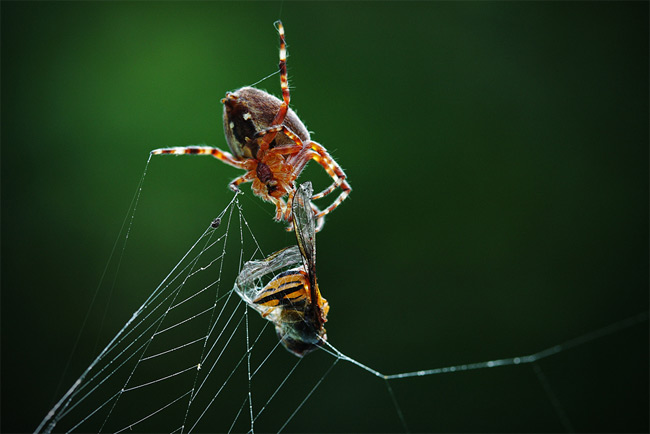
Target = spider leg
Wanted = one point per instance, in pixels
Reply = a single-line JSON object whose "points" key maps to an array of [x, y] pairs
{"points": [[285, 149], [322, 157], [325, 192], [332, 168], [234, 184], [284, 78], [202, 150], [284, 85], [281, 208], [320, 221], [288, 216]]}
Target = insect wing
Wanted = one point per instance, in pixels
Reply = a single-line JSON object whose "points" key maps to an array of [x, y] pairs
{"points": [[304, 225], [249, 281]]}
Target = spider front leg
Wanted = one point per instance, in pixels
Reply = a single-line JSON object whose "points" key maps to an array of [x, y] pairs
{"points": [[216, 153], [281, 209], [234, 184], [202, 150], [284, 85]]}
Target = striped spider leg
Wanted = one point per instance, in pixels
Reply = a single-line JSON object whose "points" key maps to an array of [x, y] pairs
{"points": [[269, 141], [291, 300]]}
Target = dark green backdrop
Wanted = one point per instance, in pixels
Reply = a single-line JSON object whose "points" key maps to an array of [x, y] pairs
{"points": [[498, 153]]}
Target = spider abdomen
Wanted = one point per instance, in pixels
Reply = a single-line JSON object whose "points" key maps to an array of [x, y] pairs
{"points": [[248, 111]]}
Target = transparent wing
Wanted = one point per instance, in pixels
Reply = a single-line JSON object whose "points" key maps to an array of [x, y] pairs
{"points": [[249, 282], [304, 225]]}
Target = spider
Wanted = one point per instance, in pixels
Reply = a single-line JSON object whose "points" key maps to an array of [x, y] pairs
{"points": [[292, 299], [273, 146]]}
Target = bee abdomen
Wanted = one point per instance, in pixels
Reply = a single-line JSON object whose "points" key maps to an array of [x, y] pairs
{"points": [[287, 289]]}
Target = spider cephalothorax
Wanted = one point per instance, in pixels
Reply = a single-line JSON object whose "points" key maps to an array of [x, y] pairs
{"points": [[270, 142], [248, 111]]}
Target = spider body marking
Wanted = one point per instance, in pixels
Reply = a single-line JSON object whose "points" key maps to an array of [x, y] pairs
{"points": [[269, 141]]}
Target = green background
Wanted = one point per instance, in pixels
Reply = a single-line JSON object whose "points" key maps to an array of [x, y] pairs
{"points": [[498, 154]]}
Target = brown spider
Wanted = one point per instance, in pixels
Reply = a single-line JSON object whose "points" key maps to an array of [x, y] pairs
{"points": [[273, 146]]}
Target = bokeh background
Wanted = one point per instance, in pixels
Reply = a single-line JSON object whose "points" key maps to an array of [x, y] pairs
{"points": [[498, 154]]}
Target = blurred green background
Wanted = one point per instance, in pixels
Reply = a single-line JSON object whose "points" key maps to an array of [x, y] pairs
{"points": [[498, 154]]}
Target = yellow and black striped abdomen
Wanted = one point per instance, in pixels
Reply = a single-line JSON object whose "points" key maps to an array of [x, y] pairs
{"points": [[288, 289]]}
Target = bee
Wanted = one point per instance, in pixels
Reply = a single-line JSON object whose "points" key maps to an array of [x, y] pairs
{"points": [[291, 300]]}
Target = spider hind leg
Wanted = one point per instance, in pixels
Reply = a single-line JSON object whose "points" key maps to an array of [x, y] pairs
{"points": [[322, 157]]}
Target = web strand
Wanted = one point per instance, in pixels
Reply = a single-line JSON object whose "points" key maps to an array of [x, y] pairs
{"points": [[559, 410], [190, 324], [519, 360], [130, 215]]}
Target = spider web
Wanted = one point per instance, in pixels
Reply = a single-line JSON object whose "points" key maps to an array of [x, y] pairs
{"points": [[194, 357], [185, 352]]}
